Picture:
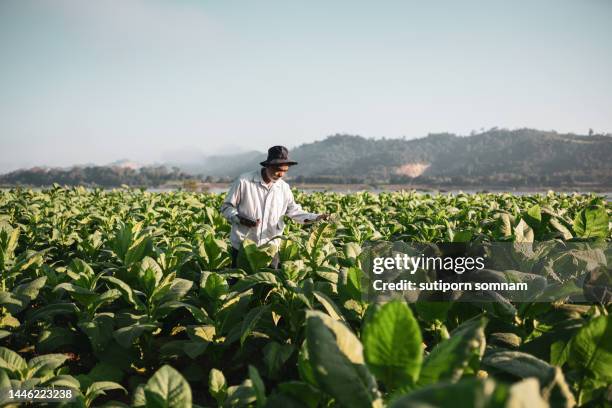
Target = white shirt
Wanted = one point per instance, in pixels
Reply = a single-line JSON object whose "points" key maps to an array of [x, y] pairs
{"points": [[250, 196]]}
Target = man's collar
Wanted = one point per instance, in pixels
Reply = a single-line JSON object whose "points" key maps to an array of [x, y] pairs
{"points": [[256, 176], [258, 179]]}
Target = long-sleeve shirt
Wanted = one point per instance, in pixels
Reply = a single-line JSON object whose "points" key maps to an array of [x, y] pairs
{"points": [[249, 196]]}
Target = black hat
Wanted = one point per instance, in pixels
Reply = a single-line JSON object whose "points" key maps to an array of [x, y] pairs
{"points": [[278, 155]]}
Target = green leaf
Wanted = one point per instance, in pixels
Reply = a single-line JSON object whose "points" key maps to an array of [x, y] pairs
{"points": [[99, 388], [177, 291], [448, 358], [107, 297], [523, 232], [49, 311], [41, 365], [392, 345], [241, 395], [301, 394], [55, 337], [126, 291], [523, 365], [83, 296], [506, 224], [167, 388], [351, 252], [321, 233], [336, 356], [11, 360], [319, 238], [199, 314], [126, 336], [430, 311], [466, 393], [31, 289], [329, 306], [99, 330], [533, 217], [213, 285], [258, 386], [591, 350], [139, 249], [250, 321], [256, 279], [352, 288], [591, 222], [275, 356], [462, 236], [217, 386], [565, 232], [62, 380], [252, 258]]}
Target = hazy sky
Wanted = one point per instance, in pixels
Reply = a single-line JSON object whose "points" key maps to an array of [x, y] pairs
{"points": [[99, 80]]}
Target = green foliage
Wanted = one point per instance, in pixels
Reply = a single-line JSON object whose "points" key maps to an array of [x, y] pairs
{"points": [[106, 292], [392, 345]]}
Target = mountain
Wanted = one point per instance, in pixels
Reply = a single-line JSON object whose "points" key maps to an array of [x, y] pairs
{"points": [[522, 157], [495, 158]]}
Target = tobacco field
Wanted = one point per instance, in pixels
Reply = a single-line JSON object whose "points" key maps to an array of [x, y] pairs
{"points": [[128, 298]]}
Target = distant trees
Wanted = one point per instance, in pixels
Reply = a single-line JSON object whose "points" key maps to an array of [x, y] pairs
{"points": [[102, 176]]}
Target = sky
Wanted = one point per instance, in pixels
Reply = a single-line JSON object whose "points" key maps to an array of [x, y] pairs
{"points": [[153, 81]]}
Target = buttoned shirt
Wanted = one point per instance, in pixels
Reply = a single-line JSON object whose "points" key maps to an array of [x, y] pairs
{"points": [[251, 197]]}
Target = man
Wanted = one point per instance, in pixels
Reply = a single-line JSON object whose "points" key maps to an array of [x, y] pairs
{"points": [[257, 202]]}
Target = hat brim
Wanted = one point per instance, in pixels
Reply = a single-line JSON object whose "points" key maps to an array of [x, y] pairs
{"points": [[277, 162]]}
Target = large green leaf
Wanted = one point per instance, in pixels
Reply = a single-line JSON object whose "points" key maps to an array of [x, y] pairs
{"points": [[475, 393], [591, 350], [41, 365], [591, 222], [31, 289], [466, 393], [51, 310], [255, 279], [448, 358], [252, 259], [99, 388], [522, 365], [213, 286], [139, 249], [330, 307], [126, 291], [336, 356], [11, 360], [167, 388], [392, 345]]}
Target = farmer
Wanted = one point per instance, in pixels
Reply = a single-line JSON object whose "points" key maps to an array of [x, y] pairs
{"points": [[258, 200]]}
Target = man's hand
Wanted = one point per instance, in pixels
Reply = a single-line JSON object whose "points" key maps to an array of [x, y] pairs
{"points": [[319, 218], [246, 222]]}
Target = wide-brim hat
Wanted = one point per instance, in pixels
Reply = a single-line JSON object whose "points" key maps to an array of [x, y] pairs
{"points": [[278, 155]]}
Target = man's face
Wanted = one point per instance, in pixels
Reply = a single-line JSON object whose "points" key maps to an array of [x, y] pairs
{"points": [[277, 171]]}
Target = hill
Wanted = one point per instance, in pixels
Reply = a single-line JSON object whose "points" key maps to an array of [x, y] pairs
{"points": [[498, 157], [495, 158]]}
